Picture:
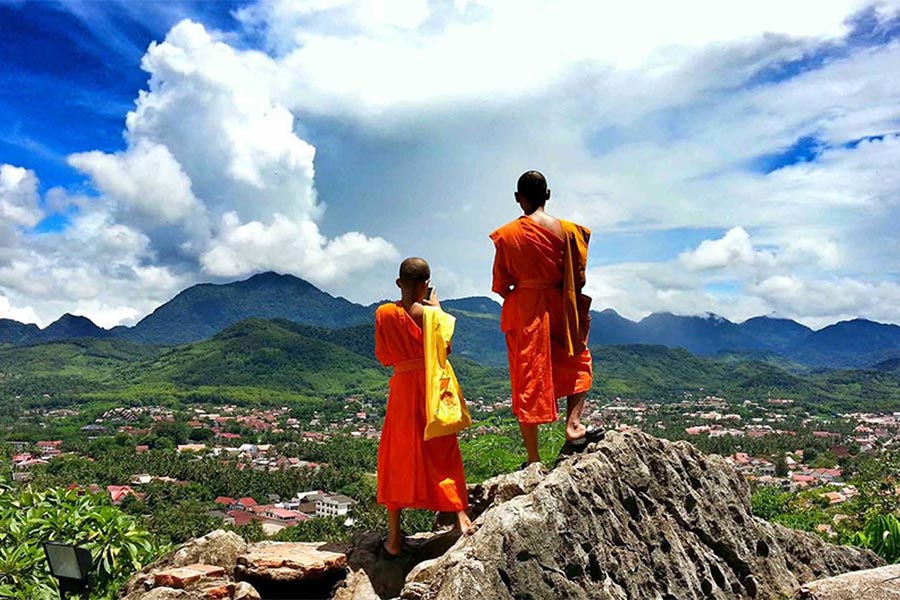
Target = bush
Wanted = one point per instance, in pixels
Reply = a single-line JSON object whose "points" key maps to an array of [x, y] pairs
{"points": [[118, 544]]}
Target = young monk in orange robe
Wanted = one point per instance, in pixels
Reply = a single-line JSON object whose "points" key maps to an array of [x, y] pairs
{"points": [[539, 270], [413, 473]]}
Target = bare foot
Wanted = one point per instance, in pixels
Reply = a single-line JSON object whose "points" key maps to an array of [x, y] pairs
{"points": [[464, 523], [393, 547], [575, 432]]}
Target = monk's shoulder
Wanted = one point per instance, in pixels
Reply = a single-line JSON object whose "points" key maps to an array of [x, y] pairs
{"points": [[386, 311], [505, 231]]}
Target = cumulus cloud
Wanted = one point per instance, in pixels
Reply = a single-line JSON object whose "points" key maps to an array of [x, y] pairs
{"points": [[290, 246], [213, 183], [146, 179], [18, 197], [412, 120]]}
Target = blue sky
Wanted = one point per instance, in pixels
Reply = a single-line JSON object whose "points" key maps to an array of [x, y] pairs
{"points": [[732, 161]]}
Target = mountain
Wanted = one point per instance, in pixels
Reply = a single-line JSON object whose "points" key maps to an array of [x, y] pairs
{"points": [[609, 328], [475, 304], [856, 343], [478, 336], [203, 310], [258, 360], [69, 326], [13, 332], [277, 355], [774, 334]]}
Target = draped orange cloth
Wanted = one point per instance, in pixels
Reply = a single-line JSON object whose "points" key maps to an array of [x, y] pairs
{"points": [[412, 473], [545, 315]]}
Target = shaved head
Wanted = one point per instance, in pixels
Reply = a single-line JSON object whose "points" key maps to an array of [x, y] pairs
{"points": [[414, 270], [532, 186]]}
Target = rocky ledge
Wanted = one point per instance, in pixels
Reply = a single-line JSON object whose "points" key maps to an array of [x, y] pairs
{"points": [[633, 518]]}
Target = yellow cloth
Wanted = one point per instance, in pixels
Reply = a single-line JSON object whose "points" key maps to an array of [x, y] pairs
{"points": [[445, 408], [576, 306]]}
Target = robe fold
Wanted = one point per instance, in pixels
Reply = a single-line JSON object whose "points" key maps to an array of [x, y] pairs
{"points": [[544, 316], [412, 472]]}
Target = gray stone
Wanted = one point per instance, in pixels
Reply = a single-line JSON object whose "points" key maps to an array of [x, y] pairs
{"points": [[882, 583], [634, 518], [245, 591]]}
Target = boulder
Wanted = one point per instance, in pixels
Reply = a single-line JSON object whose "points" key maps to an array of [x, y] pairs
{"points": [[633, 518], [200, 569], [882, 583], [289, 562], [292, 570], [374, 576]]}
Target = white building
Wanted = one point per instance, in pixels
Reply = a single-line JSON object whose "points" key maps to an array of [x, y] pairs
{"points": [[334, 506]]}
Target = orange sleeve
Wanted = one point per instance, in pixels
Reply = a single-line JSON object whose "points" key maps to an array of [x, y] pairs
{"points": [[503, 280], [382, 344]]}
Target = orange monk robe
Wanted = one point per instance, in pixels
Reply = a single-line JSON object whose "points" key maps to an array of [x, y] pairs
{"points": [[548, 358], [412, 473]]}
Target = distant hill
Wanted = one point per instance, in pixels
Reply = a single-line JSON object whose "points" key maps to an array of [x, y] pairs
{"points": [[264, 360], [13, 332], [270, 354], [201, 311]]}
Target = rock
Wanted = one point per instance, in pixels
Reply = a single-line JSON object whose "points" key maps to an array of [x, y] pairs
{"points": [[634, 518], [882, 583], [179, 577], [197, 570], [207, 570], [373, 576], [292, 570], [165, 593], [245, 591], [357, 586], [222, 591], [503, 488], [287, 561], [218, 548]]}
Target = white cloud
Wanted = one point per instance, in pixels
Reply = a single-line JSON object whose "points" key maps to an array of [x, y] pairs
{"points": [[733, 249], [18, 197], [213, 183], [23, 315], [290, 246], [145, 179], [413, 119]]}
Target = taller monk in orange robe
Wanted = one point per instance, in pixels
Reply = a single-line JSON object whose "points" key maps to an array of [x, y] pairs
{"points": [[412, 472], [539, 270]]}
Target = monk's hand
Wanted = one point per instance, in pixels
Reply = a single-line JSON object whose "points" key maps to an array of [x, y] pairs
{"points": [[433, 300]]}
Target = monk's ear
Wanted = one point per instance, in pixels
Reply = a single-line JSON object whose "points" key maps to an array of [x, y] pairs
{"points": [[548, 194], [398, 283]]}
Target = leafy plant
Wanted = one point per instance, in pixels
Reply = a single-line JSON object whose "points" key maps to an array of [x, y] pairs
{"points": [[118, 543], [882, 536]]}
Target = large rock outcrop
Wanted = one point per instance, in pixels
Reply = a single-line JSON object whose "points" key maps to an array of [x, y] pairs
{"points": [[633, 518]]}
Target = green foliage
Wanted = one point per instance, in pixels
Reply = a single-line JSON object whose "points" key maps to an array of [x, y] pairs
{"points": [[882, 536], [768, 502], [118, 544]]}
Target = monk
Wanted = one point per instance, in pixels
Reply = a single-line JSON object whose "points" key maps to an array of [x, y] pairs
{"points": [[413, 473], [539, 270]]}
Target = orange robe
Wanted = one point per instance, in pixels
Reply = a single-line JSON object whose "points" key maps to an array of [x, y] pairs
{"points": [[412, 473], [538, 315]]}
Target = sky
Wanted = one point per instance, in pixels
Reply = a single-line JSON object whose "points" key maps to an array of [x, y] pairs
{"points": [[731, 158]]}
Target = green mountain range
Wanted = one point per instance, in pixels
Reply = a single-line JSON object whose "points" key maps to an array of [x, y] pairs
{"points": [[276, 360], [202, 311]]}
